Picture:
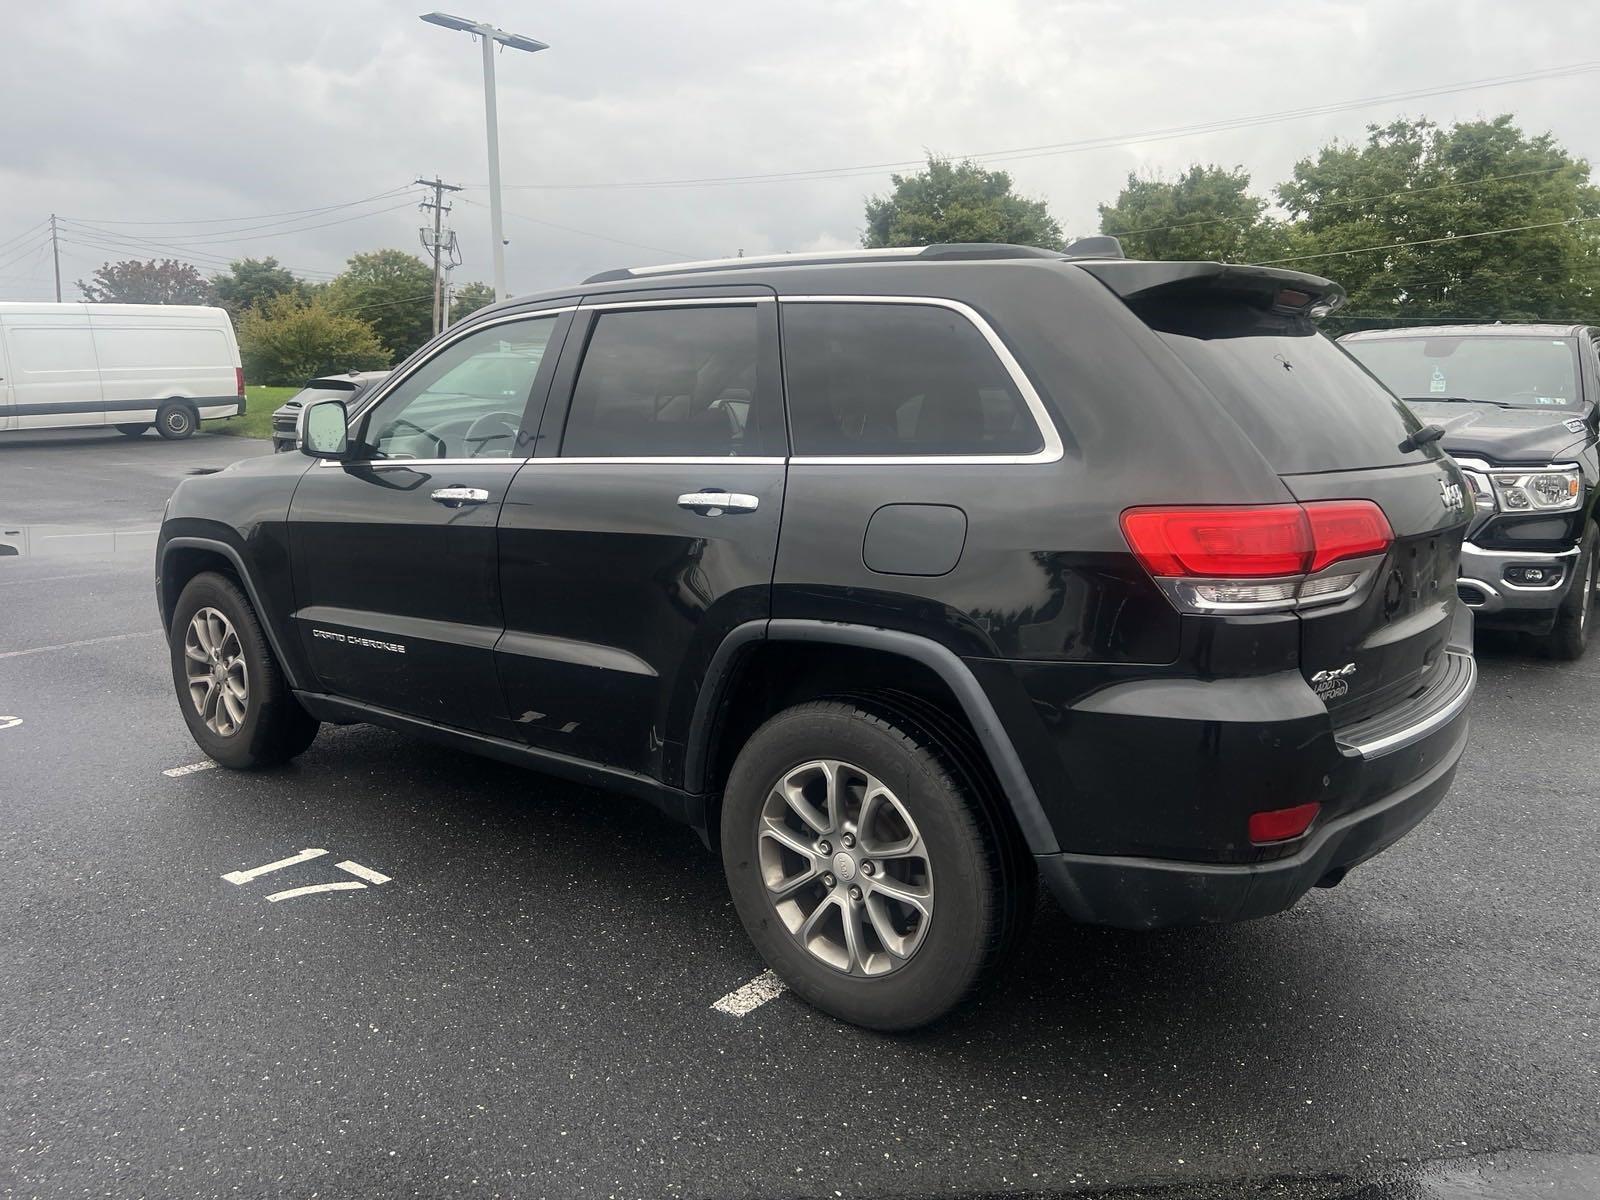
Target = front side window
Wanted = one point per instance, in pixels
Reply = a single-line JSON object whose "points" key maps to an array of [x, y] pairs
{"points": [[898, 380], [670, 382], [468, 400]]}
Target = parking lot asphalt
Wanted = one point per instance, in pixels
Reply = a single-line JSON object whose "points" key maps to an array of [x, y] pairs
{"points": [[518, 999]]}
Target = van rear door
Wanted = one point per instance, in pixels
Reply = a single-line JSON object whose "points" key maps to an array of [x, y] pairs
{"points": [[54, 378], [1331, 432]]}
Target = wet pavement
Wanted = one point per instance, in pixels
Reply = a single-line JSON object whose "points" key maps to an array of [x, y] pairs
{"points": [[510, 992]]}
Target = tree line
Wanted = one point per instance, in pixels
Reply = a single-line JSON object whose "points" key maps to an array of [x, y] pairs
{"points": [[1478, 221], [373, 314]]}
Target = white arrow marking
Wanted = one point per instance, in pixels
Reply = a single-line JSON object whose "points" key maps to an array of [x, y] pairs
{"points": [[361, 872], [344, 885], [743, 1001], [246, 876]]}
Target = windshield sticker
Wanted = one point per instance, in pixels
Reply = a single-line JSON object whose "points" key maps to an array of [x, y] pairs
{"points": [[1436, 382], [1549, 399]]}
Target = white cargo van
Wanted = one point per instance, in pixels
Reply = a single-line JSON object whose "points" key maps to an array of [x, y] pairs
{"points": [[128, 366]]}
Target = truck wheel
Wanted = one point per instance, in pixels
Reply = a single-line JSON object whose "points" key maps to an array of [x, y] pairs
{"points": [[231, 691], [866, 873], [176, 421], [1570, 637], [131, 430]]}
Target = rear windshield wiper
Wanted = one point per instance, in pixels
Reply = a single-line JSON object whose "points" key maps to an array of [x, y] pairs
{"points": [[1453, 400]]}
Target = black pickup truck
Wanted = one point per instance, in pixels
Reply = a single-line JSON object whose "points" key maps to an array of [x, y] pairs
{"points": [[1517, 404]]}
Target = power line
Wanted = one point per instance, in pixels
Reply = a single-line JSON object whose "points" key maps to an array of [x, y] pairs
{"points": [[260, 216], [1452, 237], [229, 239], [145, 247], [1084, 144], [17, 237]]}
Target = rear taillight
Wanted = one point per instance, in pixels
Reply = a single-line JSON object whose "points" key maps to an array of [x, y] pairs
{"points": [[238, 381], [1261, 557]]}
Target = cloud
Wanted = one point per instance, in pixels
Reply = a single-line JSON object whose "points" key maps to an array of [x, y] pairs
{"points": [[179, 111]]}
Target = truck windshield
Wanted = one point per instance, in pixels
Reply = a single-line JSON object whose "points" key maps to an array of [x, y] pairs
{"points": [[1524, 372]]}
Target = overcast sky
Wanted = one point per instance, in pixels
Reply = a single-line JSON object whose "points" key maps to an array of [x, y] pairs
{"points": [[206, 120]]}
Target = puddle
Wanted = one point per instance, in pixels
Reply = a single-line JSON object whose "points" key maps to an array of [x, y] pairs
{"points": [[65, 542]]}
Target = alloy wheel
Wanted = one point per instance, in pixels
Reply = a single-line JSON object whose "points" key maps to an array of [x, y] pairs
{"points": [[845, 867], [218, 677]]}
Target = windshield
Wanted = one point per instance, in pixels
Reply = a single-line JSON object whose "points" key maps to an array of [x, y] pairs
{"points": [[1524, 372]]}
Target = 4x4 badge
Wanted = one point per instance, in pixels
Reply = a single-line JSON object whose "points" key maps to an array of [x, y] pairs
{"points": [[1333, 673]]}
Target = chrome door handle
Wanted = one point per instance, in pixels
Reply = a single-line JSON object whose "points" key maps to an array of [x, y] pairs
{"points": [[455, 497], [714, 504]]}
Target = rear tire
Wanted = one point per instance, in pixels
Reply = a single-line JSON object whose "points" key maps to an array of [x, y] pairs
{"points": [[176, 421], [893, 965], [1570, 637], [131, 430], [231, 691]]}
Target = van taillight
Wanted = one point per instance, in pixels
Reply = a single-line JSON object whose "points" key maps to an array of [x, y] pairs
{"points": [[1258, 557], [238, 380]]}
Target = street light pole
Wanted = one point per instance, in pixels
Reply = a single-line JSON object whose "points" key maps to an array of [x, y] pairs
{"points": [[491, 119], [491, 37]]}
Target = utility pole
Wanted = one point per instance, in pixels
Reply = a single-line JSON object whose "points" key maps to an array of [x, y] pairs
{"points": [[439, 243], [55, 253]]}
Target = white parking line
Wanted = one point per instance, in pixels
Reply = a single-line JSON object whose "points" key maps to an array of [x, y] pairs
{"points": [[176, 772], [344, 885], [360, 872], [246, 876], [115, 637], [743, 1001], [10, 722]]}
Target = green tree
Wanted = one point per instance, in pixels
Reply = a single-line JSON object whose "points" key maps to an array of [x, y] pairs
{"points": [[393, 292], [1355, 208], [1207, 213], [250, 282], [958, 202], [469, 298], [287, 340], [164, 281]]}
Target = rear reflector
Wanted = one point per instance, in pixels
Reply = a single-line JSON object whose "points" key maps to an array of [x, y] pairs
{"points": [[1282, 824], [1257, 542]]}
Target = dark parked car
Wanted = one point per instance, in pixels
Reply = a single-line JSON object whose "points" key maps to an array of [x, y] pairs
{"points": [[901, 576], [1517, 404], [346, 387]]}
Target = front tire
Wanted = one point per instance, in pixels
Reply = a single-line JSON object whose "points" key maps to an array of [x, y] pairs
{"points": [[176, 421], [864, 868], [231, 691], [1570, 637]]}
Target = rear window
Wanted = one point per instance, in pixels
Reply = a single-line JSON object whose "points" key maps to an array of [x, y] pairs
{"points": [[1525, 372], [1298, 397]]}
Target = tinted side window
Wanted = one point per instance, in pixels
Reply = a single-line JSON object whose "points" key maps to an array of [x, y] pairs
{"points": [[663, 382], [468, 400], [898, 379]]}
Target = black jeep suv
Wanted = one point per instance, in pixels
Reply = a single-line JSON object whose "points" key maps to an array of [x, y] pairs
{"points": [[899, 575], [1518, 406]]}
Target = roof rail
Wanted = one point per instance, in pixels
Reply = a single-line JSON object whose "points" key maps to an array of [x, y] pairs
{"points": [[941, 251]]}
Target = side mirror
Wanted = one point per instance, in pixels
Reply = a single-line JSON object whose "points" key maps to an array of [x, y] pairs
{"points": [[324, 430]]}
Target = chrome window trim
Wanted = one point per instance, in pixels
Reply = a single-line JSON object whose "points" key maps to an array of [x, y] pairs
{"points": [[724, 460], [380, 464], [1052, 450], [679, 302]]}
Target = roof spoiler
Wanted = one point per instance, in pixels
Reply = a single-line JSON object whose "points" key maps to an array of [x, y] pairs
{"points": [[1099, 246], [1293, 293]]}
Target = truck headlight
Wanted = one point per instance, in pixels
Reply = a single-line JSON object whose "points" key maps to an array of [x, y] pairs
{"points": [[1553, 489]]}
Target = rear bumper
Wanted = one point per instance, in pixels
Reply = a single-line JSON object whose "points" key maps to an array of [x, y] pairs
{"points": [[1484, 589], [1148, 893]]}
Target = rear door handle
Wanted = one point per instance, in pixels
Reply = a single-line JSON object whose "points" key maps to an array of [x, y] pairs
{"points": [[714, 504], [455, 497]]}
